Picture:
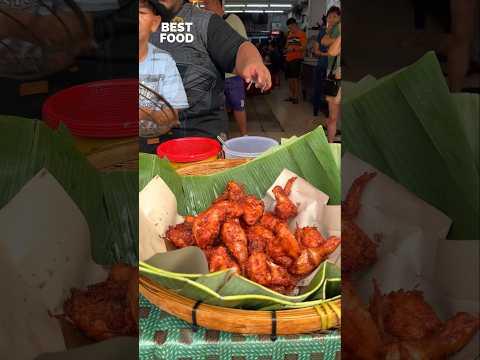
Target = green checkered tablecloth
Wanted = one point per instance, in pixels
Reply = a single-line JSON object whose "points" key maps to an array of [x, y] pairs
{"points": [[164, 337]]}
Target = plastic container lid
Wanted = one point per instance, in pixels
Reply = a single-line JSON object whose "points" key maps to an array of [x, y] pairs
{"points": [[189, 149], [248, 146]]}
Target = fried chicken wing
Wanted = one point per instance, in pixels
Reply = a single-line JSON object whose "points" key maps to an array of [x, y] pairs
{"points": [[389, 312], [277, 253], [284, 207], [252, 209], [287, 240], [235, 239], [269, 221], [258, 238], [309, 237], [358, 250], [219, 259], [233, 192], [361, 339], [232, 210], [411, 329], [106, 309], [181, 235], [206, 226], [351, 205], [310, 258], [265, 272]]}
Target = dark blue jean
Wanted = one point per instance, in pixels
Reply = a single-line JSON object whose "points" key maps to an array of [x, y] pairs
{"points": [[318, 97]]}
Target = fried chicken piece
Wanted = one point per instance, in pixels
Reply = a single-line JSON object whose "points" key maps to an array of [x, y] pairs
{"points": [[269, 221], [258, 238], [454, 335], [284, 208], [278, 254], [310, 258], [411, 329], [361, 339], [309, 237], [233, 210], [106, 309], [287, 240], [351, 205], [358, 250], [235, 239], [389, 311], [252, 209], [265, 272], [206, 226], [219, 259], [233, 192], [181, 235]]}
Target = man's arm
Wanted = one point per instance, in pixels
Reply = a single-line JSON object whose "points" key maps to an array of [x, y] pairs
{"points": [[317, 51], [232, 53]]}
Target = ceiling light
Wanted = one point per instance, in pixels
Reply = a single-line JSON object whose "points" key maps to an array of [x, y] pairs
{"points": [[234, 5], [274, 11], [233, 11], [281, 5], [254, 11], [257, 5]]}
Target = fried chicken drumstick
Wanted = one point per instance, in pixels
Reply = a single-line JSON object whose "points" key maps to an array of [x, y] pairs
{"points": [[236, 233]]}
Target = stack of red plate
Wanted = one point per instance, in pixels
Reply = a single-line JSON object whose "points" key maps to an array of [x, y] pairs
{"points": [[101, 109]]}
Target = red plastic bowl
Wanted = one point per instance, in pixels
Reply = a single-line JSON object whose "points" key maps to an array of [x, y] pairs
{"points": [[189, 149], [100, 109]]}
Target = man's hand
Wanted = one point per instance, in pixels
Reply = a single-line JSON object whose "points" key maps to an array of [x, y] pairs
{"points": [[250, 67]]}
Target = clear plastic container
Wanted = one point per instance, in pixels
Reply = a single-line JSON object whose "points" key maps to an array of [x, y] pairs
{"points": [[247, 147]]}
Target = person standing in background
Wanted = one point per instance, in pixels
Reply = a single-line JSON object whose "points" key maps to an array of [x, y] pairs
{"points": [[215, 49], [321, 69], [295, 49], [234, 85], [332, 39]]}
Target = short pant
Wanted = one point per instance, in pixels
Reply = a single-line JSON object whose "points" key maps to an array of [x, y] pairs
{"points": [[293, 69], [235, 93]]}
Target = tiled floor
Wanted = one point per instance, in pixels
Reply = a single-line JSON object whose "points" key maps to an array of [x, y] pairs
{"points": [[269, 115]]}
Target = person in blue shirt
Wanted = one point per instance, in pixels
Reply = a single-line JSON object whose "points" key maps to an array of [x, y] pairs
{"points": [[159, 74], [321, 52]]}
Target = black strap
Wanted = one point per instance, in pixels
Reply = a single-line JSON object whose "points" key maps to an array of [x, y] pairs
{"points": [[225, 16], [273, 336], [194, 316], [332, 67]]}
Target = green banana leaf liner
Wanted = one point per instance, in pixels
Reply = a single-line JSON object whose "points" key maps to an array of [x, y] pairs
{"points": [[411, 128], [310, 157], [108, 201]]}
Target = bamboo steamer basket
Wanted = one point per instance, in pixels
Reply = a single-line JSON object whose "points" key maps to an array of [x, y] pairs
{"points": [[283, 322]]}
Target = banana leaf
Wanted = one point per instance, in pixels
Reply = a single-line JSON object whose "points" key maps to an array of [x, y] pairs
{"points": [[108, 201], [309, 156], [409, 127], [227, 289]]}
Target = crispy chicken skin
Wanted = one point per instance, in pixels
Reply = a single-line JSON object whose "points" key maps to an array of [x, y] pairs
{"points": [[235, 239], [181, 235], [309, 237], [265, 272], [287, 240], [269, 221], [219, 259], [284, 207], [106, 309], [358, 250], [252, 209], [206, 226], [410, 329], [258, 238], [233, 192]]}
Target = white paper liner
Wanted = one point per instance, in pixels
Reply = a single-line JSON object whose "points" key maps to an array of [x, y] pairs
{"points": [[45, 251], [414, 251]]}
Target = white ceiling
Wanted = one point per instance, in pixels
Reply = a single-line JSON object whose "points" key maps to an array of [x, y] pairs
{"points": [[265, 5]]}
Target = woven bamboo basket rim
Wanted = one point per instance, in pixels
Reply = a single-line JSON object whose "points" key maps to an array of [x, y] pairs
{"points": [[255, 322], [287, 322], [210, 167]]}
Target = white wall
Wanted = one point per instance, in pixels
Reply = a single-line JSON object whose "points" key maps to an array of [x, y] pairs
{"points": [[317, 8]]}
